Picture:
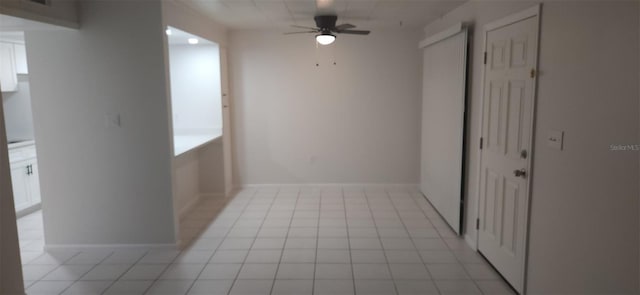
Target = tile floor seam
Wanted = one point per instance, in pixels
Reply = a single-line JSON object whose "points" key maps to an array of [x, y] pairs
{"points": [[122, 274], [244, 208], [78, 279], [384, 252], [214, 251], [275, 277]]}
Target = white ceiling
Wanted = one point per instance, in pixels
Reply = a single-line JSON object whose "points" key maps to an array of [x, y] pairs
{"points": [[280, 14], [179, 37]]}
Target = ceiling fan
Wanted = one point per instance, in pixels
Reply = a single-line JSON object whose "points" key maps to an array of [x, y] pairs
{"points": [[326, 26]]}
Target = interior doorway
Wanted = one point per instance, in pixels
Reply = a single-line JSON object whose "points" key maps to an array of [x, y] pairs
{"points": [[22, 142]]}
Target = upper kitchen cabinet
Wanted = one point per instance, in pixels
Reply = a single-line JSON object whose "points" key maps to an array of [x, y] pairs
{"points": [[20, 53], [13, 61], [8, 71], [26, 14]]}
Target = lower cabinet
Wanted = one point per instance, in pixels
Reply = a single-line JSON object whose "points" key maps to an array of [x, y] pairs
{"points": [[24, 178], [20, 183]]}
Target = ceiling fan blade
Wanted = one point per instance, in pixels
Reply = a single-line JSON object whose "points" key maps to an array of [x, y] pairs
{"points": [[305, 32], [303, 27], [344, 27], [354, 32]]}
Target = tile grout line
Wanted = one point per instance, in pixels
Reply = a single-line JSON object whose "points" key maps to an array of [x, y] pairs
{"points": [[384, 252], [123, 273], [285, 238], [346, 221], [244, 209], [254, 239], [220, 210], [459, 262], [424, 264]]}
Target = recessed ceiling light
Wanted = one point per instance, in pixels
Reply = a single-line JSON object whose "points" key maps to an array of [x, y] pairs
{"points": [[168, 31], [192, 41]]}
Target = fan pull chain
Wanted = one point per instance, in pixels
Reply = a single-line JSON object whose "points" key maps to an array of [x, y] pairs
{"points": [[317, 61], [333, 52]]}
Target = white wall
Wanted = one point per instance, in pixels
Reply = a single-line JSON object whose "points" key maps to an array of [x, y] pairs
{"points": [[584, 209], [195, 88], [17, 107], [355, 122], [211, 169], [103, 184], [186, 169]]}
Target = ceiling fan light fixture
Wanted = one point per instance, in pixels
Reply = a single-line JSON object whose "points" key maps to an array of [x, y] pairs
{"points": [[325, 38]]}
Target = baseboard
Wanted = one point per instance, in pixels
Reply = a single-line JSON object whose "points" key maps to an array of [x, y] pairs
{"points": [[230, 192], [212, 195], [111, 247], [187, 207], [470, 241], [325, 185]]}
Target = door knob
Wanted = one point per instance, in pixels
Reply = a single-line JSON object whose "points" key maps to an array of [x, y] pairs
{"points": [[520, 173]]}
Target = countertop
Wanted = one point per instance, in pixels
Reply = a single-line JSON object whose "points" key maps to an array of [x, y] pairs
{"points": [[185, 143], [21, 144]]}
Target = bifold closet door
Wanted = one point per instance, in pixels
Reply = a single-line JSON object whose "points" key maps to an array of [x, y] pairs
{"points": [[443, 120]]}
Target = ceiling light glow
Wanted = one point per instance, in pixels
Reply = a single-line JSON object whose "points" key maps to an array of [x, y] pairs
{"points": [[168, 32], [193, 41], [325, 38]]}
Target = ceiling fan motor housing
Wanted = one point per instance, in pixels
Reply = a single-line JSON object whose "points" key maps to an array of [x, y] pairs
{"points": [[325, 21]]}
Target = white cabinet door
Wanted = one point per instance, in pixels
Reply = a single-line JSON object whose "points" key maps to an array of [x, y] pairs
{"points": [[19, 183], [33, 182], [8, 76], [20, 53]]}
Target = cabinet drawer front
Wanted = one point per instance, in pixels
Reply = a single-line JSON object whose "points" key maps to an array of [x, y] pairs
{"points": [[16, 155], [29, 152], [22, 153]]}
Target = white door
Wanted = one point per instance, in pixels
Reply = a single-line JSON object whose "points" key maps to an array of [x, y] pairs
{"points": [[226, 123], [506, 134], [19, 184]]}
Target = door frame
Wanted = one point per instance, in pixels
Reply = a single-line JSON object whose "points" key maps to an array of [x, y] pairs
{"points": [[534, 11]]}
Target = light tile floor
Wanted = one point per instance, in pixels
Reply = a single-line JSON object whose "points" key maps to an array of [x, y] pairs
{"points": [[329, 240]]}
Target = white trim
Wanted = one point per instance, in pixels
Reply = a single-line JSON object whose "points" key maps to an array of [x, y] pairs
{"points": [[471, 241], [186, 209], [230, 192], [453, 30], [211, 195], [413, 186], [520, 16], [111, 247]]}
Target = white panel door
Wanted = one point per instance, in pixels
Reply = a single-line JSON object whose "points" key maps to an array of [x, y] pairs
{"points": [[506, 132], [226, 122]]}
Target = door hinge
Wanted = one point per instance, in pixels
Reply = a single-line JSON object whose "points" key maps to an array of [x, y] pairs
{"points": [[485, 57], [533, 73], [481, 141], [477, 223]]}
